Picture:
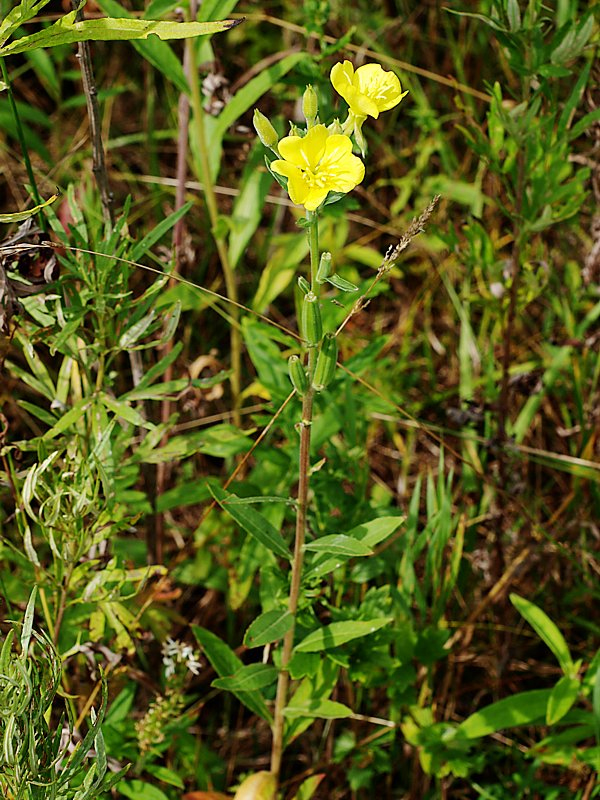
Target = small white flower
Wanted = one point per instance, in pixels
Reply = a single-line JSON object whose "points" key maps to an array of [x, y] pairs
{"points": [[175, 652]]}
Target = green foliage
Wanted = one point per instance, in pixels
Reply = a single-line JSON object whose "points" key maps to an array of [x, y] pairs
{"points": [[442, 643]]}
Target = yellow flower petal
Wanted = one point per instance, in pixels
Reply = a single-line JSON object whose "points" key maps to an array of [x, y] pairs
{"points": [[369, 90], [317, 164], [305, 151]]}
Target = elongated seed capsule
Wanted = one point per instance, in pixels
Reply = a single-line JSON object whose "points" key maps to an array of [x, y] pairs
{"points": [[312, 327], [303, 284], [297, 375], [326, 362], [324, 270]]}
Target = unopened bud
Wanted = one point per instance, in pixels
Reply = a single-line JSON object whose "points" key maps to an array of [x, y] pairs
{"points": [[310, 105], [324, 270], [266, 132], [335, 127]]}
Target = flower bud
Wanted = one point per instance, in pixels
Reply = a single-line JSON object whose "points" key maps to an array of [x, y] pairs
{"points": [[266, 132], [324, 270], [310, 105], [297, 375], [335, 127], [326, 362], [312, 327]]}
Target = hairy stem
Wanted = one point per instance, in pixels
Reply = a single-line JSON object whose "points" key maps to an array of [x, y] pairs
{"points": [[301, 511]]}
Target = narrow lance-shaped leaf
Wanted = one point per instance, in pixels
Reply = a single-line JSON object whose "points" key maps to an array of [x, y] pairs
{"points": [[269, 627], [68, 31], [18, 216], [546, 630], [339, 633], [253, 523]]}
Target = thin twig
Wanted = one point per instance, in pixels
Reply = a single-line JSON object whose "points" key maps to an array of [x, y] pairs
{"points": [[91, 99]]}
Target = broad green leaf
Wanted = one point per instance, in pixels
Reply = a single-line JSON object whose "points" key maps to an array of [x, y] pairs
{"points": [[520, 709], [373, 532], [253, 523], [140, 790], [269, 627], [225, 662], [165, 775], [339, 545], [220, 441], [323, 709], [339, 633], [546, 630], [17, 216], [67, 31], [247, 679], [563, 695]]}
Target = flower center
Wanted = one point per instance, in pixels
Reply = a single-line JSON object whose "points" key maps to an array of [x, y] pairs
{"points": [[317, 179]]}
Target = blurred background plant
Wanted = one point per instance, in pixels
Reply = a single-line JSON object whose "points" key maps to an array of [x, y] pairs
{"points": [[469, 407]]}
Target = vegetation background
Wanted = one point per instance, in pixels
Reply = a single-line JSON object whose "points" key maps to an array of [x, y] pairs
{"points": [[458, 442]]}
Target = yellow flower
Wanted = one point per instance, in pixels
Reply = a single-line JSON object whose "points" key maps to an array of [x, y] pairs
{"points": [[369, 90], [317, 164]]}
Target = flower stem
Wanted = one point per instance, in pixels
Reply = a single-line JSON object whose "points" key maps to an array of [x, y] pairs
{"points": [[301, 511]]}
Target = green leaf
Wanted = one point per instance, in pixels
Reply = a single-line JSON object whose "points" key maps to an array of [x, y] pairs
{"points": [[520, 709], [156, 233], [225, 662], [253, 523], [546, 630], [339, 633], [563, 695], [67, 31], [308, 787], [376, 530], [165, 775], [269, 627], [324, 709], [70, 418], [21, 215], [124, 411], [220, 441], [28, 623], [249, 678], [339, 545], [140, 790]]}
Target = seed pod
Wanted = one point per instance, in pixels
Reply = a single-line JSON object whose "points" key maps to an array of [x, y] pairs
{"points": [[312, 327], [326, 362], [324, 270], [303, 284], [297, 375]]}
